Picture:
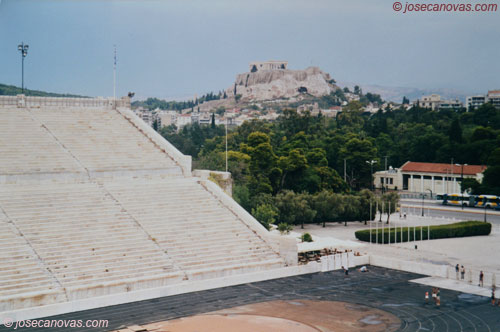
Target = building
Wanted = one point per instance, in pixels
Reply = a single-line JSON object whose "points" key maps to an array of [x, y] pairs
{"points": [[435, 102], [167, 118], [492, 97], [424, 177], [431, 101], [451, 104], [268, 65]]}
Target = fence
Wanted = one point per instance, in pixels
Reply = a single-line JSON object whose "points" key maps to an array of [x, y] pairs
{"points": [[29, 101]]}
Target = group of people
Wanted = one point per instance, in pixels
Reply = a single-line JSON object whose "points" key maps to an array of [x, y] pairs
{"points": [[460, 269], [436, 296]]}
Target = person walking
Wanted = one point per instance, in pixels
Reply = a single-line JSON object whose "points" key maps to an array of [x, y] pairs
{"points": [[438, 297], [434, 294], [427, 297], [462, 273], [481, 278], [493, 296], [457, 270]]}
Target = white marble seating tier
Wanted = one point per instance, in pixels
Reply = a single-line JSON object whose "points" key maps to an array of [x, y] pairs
{"points": [[82, 235], [26, 147], [103, 140], [194, 228]]}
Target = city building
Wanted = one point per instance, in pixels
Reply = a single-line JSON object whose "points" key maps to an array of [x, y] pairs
{"points": [[493, 97], [167, 118], [451, 104], [424, 177], [435, 102], [431, 101]]}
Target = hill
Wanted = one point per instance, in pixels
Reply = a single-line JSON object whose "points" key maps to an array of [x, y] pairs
{"points": [[11, 90]]}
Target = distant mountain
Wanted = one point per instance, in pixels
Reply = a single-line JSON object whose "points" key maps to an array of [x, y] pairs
{"points": [[396, 94], [11, 90]]}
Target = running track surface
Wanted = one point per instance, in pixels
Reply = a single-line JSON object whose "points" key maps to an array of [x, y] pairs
{"points": [[381, 288]]}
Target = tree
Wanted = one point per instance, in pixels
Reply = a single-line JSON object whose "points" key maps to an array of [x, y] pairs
{"points": [[455, 133], [328, 206], [470, 185], [388, 203], [357, 152], [265, 214], [294, 208], [406, 101], [212, 122]]}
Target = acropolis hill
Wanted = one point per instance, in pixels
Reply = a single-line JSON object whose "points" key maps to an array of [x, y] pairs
{"points": [[272, 80]]}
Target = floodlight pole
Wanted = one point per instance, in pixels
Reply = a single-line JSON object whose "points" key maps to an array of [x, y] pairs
{"points": [[371, 162], [226, 144], [462, 184], [24, 52]]}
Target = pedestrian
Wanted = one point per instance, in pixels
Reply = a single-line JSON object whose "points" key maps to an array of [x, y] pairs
{"points": [[438, 297], [427, 297], [457, 269], [462, 273], [493, 296], [404, 215], [434, 294], [481, 278], [346, 271]]}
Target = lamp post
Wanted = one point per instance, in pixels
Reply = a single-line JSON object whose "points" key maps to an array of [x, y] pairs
{"points": [[462, 183], [24, 52], [423, 197], [371, 162]]}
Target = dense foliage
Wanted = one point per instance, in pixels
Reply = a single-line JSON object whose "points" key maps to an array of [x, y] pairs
{"points": [[154, 103], [292, 163], [392, 235], [11, 90]]}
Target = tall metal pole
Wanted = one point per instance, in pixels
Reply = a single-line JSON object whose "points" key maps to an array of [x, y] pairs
{"points": [[462, 185], [114, 78], [226, 143], [24, 52], [484, 199], [22, 73], [423, 197]]}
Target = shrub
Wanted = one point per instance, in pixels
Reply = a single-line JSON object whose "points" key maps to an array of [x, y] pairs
{"points": [[306, 237], [459, 229], [284, 228]]}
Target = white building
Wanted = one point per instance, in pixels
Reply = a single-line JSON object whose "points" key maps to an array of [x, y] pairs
{"points": [[492, 97], [423, 177], [435, 102]]}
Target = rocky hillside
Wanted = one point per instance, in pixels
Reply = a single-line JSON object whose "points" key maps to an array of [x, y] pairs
{"points": [[278, 84]]}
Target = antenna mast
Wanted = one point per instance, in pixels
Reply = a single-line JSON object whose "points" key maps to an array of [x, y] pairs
{"points": [[114, 77]]}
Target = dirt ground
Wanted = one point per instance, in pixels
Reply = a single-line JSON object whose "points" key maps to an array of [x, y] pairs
{"points": [[284, 316]]}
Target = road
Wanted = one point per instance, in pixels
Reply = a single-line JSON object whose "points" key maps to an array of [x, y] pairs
{"points": [[435, 209]]}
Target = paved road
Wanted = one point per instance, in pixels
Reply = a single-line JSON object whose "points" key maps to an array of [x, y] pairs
{"points": [[380, 288], [435, 209]]}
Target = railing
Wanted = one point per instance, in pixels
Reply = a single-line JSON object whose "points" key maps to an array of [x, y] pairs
{"points": [[29, 101]]}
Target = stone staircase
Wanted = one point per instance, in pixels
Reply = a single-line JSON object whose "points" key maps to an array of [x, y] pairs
{"points": [[92, 204]]}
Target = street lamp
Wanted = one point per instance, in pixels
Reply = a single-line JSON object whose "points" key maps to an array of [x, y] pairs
{"points": [[24, 52], [423, 197], [462, 183], [371, 162]]}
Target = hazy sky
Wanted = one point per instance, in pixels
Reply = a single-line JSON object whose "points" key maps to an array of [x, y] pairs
{"points": [[176, 48]]}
